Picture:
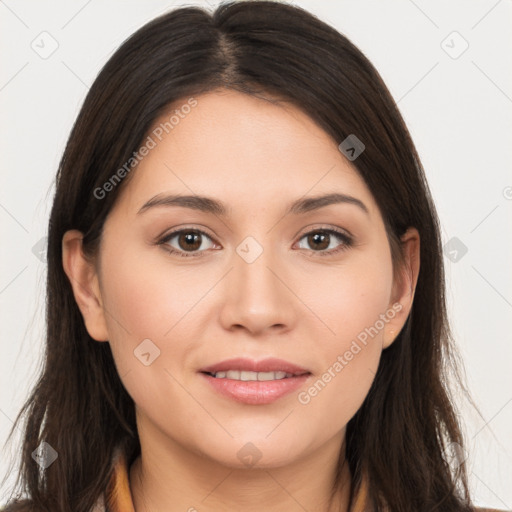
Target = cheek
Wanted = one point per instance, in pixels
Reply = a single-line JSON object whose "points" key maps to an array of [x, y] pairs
{"points": [[145, 290], [360, 302], [349, 298], [356, 308], [144, 299], [337, 393], [147, 303]]}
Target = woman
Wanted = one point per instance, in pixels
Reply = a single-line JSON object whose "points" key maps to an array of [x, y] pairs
{"points": [[245, 285]]}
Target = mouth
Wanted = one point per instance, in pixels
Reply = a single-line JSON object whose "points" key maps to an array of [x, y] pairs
{"points": [[247, 376], [242, 368], [255, 382]]}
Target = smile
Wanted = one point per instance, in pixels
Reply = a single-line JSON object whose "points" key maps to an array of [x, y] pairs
{"points": [[251, 376]]}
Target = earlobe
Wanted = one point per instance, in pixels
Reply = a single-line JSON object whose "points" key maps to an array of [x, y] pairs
{"points": [[405, 286], [83, 278]]}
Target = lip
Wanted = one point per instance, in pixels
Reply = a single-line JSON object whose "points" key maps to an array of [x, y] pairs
{"points": [[265, 365], [256, 392]]}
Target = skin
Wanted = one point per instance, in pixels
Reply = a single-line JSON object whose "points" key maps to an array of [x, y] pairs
{"points": [[257, 158]]}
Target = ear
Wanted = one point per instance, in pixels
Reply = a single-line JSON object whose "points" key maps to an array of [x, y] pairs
{"points": [[404, 286], [83, 277]]}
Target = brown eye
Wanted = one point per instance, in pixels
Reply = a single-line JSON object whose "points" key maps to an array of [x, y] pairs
{"points": [[187, 241], [320, 240]]}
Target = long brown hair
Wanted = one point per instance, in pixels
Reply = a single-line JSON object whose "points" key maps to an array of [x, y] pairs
{"points": [[400, 436]]}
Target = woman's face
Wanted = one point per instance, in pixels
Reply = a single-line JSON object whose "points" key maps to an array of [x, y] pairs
{"points": [[262, 280]]}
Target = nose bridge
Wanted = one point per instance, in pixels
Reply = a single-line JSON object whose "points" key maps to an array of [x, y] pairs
{"points": [[256, 298]]}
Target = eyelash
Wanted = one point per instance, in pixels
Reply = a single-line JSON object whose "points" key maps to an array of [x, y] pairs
{"points": [[347, 241]]}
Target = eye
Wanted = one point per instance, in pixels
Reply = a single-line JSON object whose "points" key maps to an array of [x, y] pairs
{"points": [[191, 241], [188, 240], [323, 238]]}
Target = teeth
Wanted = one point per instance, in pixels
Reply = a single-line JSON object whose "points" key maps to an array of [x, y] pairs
{"points": [[244, 375]]}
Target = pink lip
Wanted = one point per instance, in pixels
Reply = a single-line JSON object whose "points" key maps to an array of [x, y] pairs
{"points": [[265, 365], [256, 392]]}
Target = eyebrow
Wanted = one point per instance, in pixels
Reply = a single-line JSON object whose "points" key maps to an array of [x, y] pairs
{"points": [[210, 205]]}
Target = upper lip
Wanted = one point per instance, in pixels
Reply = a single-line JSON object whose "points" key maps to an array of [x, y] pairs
{"points": [[264, 365]]}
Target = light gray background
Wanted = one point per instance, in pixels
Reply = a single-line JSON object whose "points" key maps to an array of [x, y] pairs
{"points": [[457, 109]]}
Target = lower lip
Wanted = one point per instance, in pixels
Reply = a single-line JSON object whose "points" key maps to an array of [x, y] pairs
{"points": [[256, 392]]}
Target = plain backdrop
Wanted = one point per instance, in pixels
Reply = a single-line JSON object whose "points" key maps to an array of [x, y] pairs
{"points": [[448, 66]]}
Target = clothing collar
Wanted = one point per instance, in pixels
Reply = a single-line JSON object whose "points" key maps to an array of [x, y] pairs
{"points": [[118, 496]]}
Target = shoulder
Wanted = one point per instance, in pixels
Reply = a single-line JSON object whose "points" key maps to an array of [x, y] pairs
{"points": [[19, 506], [28, 505], [479, 509]]}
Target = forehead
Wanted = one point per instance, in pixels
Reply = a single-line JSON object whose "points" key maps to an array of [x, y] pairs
{"points": [[243, 150]]}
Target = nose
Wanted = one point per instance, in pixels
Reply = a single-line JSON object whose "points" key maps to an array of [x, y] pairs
{"points": [[258, 295]]}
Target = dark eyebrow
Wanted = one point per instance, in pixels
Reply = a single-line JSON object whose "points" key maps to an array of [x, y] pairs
{"points": [[201, 203], [314, 203], [209, 205]]}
